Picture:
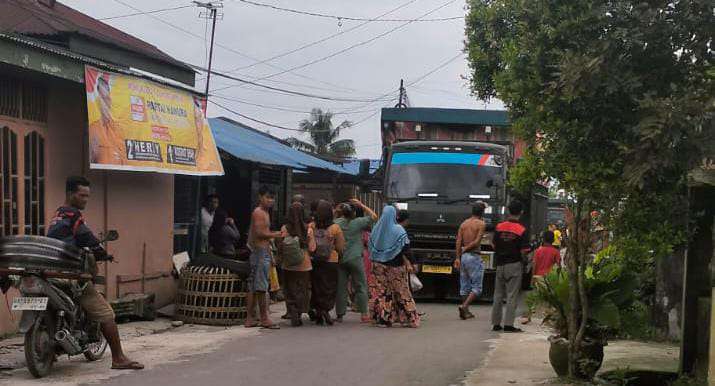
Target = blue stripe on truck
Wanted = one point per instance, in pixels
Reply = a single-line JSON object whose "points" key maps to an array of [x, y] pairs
{"points": [[436, 158]]}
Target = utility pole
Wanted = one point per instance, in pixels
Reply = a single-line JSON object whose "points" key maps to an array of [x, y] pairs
{"points": [[401, 104], [212, 13]]}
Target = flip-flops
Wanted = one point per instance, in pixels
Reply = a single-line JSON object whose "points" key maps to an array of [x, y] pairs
{"points": [[270, 327], [128, 366], [251, 325]]}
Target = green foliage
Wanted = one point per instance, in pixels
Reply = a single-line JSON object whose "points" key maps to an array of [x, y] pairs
{"points": [[611, 290], [324, 136], [616, 100]]}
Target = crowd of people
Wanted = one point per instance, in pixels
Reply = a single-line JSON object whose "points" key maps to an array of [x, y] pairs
{"points": [[332, 256]]}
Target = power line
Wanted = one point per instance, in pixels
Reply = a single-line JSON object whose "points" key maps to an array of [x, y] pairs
{"points": [[280, 108], [441, 66], [285, 91], [227, 48], [340, 18], [145, 12], [321, 59], [252, 119], [279, 126], [419, 79], [323, 39]]}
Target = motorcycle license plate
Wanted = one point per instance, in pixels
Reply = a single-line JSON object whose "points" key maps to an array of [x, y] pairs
{"points": [[445, 269], [29, 304]]}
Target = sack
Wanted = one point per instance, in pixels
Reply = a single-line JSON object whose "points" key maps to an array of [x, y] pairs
{"points": [[324, 245], [292, 253], [415, 283]]}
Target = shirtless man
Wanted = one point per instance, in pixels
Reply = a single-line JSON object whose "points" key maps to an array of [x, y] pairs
{"points": [[468, 259], [259, 240]]}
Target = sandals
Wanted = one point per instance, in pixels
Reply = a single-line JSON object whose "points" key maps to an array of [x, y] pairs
{"points": [[465, 314], [128, 366], [251, 325], [270, 327]]}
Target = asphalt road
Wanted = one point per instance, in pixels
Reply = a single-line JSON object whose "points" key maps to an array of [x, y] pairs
{"points": [[438, 353]]}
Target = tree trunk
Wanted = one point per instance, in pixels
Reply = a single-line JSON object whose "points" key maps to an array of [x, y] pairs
{"points": [[574, 295], [577, 254]]}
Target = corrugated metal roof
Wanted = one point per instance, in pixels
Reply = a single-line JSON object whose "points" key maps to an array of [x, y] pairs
{"points": [[40, 45], [447, 116], [35, 19], [249, 144]]}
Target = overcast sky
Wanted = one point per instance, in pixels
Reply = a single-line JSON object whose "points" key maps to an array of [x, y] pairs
{"points": [[363, 73]]}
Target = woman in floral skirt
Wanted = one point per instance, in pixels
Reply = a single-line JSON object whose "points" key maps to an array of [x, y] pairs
{"points": [[390, 296]]}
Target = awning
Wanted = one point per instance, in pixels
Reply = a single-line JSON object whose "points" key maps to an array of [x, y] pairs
{"points": [[249, 144]]}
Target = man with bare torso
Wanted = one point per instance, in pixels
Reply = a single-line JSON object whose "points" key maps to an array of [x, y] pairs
{"points": [[259, 240], [468, 260]]}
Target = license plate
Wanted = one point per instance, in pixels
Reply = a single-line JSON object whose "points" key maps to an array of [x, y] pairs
{"points": [[29, 304], [446, 269]]}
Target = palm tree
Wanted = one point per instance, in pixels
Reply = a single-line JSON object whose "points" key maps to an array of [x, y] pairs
{"points": [[323, 136]]}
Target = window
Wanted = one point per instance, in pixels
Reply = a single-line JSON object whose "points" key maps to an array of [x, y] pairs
{"points": [[34, 184], [34, 102], [9, 97], [8, 175]]}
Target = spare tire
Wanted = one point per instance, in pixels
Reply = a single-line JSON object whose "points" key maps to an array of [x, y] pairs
{"points": [[240, 268], [40, 253]]}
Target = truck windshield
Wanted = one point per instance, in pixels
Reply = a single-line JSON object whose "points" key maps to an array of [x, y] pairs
{"points": [[443, 175]]}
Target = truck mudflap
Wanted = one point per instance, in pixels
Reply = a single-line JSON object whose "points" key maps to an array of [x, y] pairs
{"points": [[28, 319]]}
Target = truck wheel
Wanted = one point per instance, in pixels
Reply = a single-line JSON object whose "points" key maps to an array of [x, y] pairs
{"points": [[40, 346]]}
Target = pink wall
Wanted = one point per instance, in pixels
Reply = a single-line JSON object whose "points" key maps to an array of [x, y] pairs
{"points": [[140, 206]]}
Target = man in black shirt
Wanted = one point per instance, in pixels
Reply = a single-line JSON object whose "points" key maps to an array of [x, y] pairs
{"points": [[510, 246], [69, 226]]}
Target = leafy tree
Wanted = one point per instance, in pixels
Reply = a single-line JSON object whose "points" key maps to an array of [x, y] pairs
{"points": [[616, 100], [323, 136]]}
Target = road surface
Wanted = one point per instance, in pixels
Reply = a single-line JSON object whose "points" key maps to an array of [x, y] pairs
{"points": [[438, 353]]}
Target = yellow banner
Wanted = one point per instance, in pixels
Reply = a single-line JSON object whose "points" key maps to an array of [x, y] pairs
{"points": [[137, 124]]}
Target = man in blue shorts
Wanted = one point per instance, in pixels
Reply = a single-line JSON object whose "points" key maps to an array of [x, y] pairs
{"points": [[259, 239], [468, 259]]}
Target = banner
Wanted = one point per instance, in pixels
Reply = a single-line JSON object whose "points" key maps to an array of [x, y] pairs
{"points": [[136, 124]]}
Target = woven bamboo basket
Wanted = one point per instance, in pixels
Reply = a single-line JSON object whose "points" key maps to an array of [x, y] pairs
{"points": [[213, 296]]}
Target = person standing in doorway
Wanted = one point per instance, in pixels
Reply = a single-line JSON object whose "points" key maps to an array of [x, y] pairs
{"points": [[211, 203], [511, 244], [259, 241], [351, 266], [223, 235], [468, 260]]}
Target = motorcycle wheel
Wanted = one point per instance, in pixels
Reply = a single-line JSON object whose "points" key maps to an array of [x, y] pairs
{"points": [[40, 346], [95, 351]]}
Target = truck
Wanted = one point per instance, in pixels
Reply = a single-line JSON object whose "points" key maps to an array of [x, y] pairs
{"points": [[437, 164]]}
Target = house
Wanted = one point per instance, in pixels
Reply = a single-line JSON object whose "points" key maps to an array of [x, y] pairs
{"points": [[47, 51]]}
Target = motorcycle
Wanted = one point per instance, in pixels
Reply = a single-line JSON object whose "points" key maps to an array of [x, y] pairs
{"points": [[53, 321]]}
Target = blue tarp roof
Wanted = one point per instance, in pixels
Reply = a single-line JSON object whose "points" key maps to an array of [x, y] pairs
{"points": [[249, 144], [353, 166]]}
